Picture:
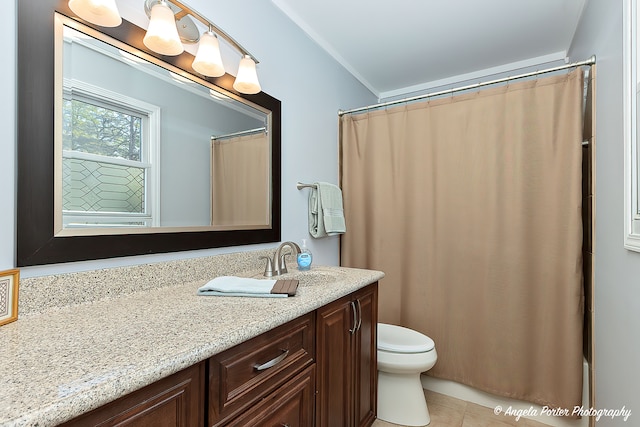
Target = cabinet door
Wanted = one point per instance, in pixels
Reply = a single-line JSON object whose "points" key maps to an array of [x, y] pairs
{"points": [[175, 401], [347, 368], [366, 378], [334, 364]]}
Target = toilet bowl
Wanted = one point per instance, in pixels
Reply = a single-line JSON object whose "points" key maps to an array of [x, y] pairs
{"points": [[402, 355]]}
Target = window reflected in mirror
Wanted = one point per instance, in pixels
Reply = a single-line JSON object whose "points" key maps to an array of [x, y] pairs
{"points": [[106, 167]]}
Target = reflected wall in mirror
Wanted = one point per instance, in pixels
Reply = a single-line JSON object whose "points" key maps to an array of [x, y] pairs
{"points": [[126, 152]]}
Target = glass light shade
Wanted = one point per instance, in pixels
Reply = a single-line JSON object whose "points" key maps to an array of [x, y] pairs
{"points": [[247, 78], [162, 35], [99, 12], [208, 61]]}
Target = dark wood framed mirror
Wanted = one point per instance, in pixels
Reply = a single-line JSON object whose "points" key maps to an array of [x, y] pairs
{"points": [[38, 238]]}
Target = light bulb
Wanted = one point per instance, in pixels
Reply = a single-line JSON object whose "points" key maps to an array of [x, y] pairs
{"points": [[208, 61], [247, 78], [162, 35], [99, 12]]}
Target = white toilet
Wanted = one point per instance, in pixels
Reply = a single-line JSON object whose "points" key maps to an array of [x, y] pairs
{"points": [[402, 355]]}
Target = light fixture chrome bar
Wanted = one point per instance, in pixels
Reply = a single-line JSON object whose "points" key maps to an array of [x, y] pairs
{"points": [[589, 61], [241, 133], [189, 11]]}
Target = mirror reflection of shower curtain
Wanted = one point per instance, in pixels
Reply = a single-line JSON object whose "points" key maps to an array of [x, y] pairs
{"points": [[240, 181], [471, 205]]}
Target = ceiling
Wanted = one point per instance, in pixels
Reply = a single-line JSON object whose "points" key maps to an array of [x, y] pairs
{"points": [[396, 47]]}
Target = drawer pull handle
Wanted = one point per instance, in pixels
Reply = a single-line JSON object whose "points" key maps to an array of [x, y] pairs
{"points": [[273, 362]]}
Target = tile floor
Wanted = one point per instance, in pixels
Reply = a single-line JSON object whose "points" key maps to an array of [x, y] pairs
{"points": [[448, 411]]}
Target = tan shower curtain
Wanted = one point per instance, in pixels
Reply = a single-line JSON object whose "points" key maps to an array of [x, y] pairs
{"points": [[240, 181], [471, 205]]}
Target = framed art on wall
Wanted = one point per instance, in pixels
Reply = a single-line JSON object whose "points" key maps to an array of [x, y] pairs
{"points": [[9, 280]]}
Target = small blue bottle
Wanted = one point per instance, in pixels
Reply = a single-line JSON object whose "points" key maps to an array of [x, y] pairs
{"points": [[304, 257]]}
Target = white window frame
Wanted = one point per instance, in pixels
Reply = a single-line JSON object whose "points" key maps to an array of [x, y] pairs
{"points": [[631, 152], [150, 159]]}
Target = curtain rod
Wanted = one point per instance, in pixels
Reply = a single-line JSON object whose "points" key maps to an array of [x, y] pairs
{"points": [[589, 61], [241, 133]]}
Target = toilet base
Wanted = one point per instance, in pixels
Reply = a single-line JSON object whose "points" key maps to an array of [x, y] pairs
{"points": [[401, 399]]}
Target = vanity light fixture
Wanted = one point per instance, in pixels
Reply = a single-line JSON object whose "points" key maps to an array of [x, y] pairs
{"points": [[100, 12], [208, 60], [162, 34], [171, 26], [247, 78]]}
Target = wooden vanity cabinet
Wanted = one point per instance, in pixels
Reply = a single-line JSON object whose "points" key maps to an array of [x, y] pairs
{"points": [[175, 401], [346, 360], [319, 369]]}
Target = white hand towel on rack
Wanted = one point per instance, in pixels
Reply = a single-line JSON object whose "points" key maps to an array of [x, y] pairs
{"points": [[326, 215]]}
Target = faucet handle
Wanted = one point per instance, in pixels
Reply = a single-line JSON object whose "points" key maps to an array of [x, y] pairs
{"points": [[268, 270], [282, 267]]}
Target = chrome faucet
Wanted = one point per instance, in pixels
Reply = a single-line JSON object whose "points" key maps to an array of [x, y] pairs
{"points": [[278, 265]]}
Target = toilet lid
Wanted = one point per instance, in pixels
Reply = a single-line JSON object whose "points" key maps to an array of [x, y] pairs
{"points": [[402, 340]]}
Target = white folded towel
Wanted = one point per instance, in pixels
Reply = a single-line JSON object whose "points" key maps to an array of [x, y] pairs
{"points": [[326, 215], [239, 286], [241, 294]]}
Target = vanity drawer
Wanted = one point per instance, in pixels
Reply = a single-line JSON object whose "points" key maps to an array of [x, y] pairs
{"points": [[250, 371], [291, 405]]}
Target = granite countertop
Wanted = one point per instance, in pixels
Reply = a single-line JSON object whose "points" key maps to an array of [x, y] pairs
{"points": [[62, 362]]}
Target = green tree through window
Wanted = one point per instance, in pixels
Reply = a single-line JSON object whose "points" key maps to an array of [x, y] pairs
{"points": [[98, 130]]}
